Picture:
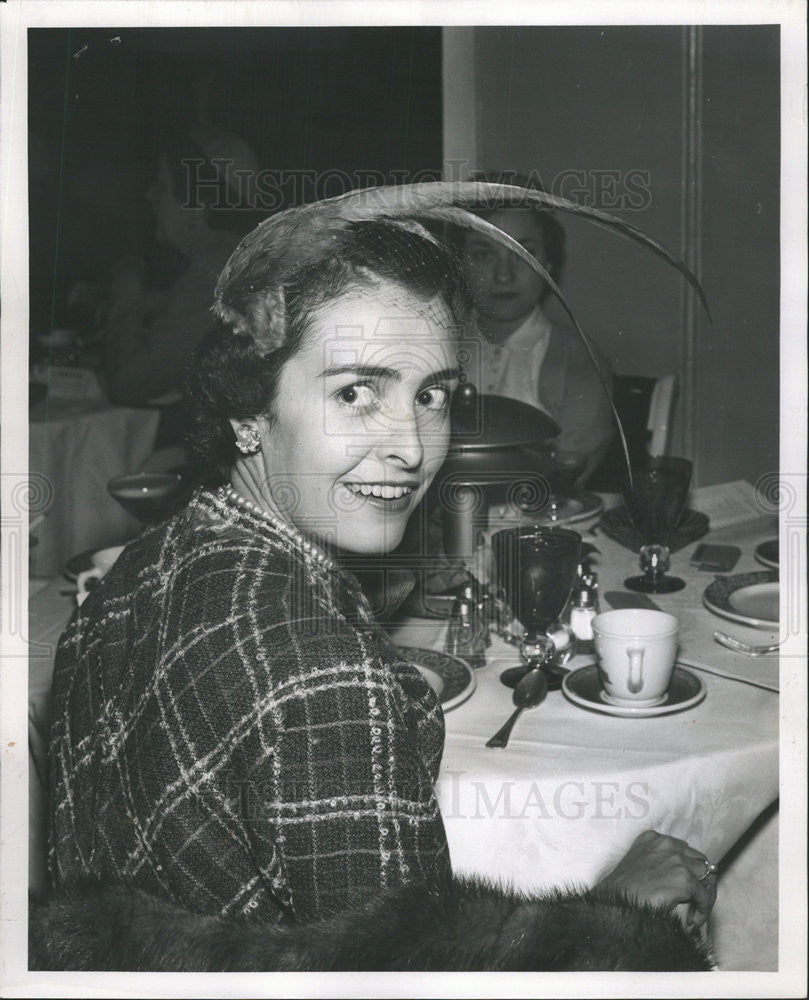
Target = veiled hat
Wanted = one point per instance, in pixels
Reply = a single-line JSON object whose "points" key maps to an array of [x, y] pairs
{"points": [[250, 290]]}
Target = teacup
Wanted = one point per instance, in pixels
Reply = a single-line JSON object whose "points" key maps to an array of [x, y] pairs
{"points": [[636, 651], [102, 561]]}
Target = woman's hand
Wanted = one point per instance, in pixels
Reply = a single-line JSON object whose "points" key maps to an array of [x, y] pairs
{"points": [[665, 871]]}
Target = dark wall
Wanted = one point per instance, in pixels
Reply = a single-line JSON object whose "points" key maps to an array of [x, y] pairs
{"points": [[600, 112], [324, 110], [597, 112], [739, 358]]}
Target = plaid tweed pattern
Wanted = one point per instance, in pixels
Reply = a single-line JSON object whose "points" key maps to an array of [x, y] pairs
{"points": [[234, 732]]}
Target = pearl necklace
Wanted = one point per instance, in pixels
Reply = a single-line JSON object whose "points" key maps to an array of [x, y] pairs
{"points": [[294, 536]]}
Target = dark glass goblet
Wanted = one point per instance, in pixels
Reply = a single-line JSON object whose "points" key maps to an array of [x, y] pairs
{"points": [[535, 568], [655, 501]]}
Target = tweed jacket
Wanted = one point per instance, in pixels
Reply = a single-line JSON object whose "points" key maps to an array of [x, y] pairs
{"points": [[234, 733]]}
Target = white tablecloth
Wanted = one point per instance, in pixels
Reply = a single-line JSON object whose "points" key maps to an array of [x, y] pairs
{"points": [[78, 449], [563, 802]]}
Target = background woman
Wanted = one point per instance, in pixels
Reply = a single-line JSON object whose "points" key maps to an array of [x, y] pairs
{"points": [[524, 355], [234, 736]]}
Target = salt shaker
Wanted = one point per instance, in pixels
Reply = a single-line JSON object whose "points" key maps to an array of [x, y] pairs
{"points": [[583, 609], [468, 634]]}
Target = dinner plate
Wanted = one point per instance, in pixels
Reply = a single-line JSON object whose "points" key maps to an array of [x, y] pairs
{"points": [[451, 679], [747, 598], [421, 603], [767, 553], [584, 689], [558, 510]]}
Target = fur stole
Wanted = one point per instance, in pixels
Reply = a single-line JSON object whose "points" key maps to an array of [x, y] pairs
{"points": [[462, 925]]}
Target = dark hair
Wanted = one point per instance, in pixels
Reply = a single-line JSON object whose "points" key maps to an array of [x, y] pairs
{"points": [[229, 377], [553, 235]]}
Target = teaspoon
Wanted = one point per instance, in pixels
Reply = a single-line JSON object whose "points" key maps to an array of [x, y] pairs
{"points": [[530, 691]]}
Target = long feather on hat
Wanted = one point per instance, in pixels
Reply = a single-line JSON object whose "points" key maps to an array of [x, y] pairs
{"points": [[302, 236]]}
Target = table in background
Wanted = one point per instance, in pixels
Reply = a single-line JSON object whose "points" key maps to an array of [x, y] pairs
{"points": [[78, 448], [563, 802]]}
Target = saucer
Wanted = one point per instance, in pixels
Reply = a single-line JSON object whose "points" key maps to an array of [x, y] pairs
{"points": [[583, 688], [651, 703]]}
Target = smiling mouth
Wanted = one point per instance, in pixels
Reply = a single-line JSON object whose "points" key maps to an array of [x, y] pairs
{"points": [[382, 491], [384, 497]]}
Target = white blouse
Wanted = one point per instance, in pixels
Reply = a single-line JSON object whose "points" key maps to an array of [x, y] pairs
{"points": [[512, 367]]}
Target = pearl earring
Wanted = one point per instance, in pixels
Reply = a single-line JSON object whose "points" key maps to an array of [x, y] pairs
{"points": [[248, 441]]}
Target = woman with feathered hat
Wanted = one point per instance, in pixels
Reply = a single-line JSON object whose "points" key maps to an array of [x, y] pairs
{"points": [[243, 768]]}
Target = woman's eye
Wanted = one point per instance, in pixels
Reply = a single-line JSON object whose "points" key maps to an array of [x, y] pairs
{"points": [[434, 398], [357, 396]]}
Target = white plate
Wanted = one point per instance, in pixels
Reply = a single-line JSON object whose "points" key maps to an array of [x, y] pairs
{"points": [[583, 688], [451, 679], [559, 510], [747, 598], [436, 681], [767, 553]]}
